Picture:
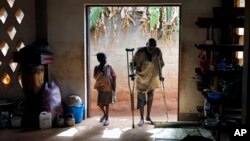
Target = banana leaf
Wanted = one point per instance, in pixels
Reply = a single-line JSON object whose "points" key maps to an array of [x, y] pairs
{"points": [[154, 17], [169, 13], [95, 15]]}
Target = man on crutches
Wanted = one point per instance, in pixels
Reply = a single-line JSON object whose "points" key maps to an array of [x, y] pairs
{"points": [[147, 62]]}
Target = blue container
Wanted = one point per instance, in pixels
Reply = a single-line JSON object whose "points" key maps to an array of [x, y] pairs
{"points": [[77, 111], [214, 96]]}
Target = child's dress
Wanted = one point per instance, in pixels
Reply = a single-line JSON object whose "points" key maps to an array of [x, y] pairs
{"points": [[105, 83]]}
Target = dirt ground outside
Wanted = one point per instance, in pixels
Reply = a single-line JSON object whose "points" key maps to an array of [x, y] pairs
{"points": [[114, 48]]}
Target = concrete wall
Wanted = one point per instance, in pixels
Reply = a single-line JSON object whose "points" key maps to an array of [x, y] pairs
{"points": [[66, 38], [189, 97]]}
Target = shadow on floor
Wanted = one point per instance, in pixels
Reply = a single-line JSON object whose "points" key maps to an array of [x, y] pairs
{"points": [[119, 129]]}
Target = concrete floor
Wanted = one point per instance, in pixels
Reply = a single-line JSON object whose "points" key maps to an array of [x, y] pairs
{"points": [[119, 129]]}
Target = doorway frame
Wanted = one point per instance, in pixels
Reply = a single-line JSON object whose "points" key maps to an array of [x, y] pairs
{"points": [[87, 95]]}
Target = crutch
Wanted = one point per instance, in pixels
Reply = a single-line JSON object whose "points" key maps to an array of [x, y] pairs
{"points": [[162, 87], [131, 75]]}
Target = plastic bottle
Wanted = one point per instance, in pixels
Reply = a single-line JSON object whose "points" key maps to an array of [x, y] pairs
{"points": [[45, 120]]}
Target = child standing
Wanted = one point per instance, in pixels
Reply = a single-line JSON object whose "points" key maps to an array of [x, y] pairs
{"points": [[105, 85]]}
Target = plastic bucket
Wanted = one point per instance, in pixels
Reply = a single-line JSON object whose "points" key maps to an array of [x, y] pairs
{"points": [[77, 111], [214, 96], [16, 122]]}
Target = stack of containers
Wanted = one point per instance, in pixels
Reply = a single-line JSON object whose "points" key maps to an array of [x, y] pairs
{"points": [[75, 107]]}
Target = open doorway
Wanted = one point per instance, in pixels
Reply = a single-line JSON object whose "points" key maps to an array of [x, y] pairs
{"points": [[113, 28]]}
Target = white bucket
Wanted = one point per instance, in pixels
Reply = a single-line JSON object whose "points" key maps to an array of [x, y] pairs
{"points": [[45, 120], [16, 122]]}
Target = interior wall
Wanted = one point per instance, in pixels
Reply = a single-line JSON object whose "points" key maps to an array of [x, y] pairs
{"points": [[66, 39], [191, 34]]}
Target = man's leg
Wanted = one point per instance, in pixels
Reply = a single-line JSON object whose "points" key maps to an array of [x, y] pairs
{"points": [[141, 101], [150, 96], [142, 116], [107, 111]]}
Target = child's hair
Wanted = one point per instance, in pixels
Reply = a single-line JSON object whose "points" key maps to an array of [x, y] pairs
{"points": [[100, 56]]}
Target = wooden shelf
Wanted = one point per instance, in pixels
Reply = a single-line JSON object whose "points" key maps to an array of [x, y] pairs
{"points": [[233, 16], [223, 73], [223, 17], [216, 23], [222, 47], [232, 109], [226, 19], [228, 72], [232, 116]]}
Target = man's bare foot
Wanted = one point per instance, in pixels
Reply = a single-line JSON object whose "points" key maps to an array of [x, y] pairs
{"points": [[106, 123], [149, 120]]}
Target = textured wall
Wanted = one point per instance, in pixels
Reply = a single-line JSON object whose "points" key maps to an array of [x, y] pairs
{"points": [[25, 33]]}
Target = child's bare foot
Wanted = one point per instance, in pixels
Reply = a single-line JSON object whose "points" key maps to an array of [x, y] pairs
{"points": [[102, 118]]}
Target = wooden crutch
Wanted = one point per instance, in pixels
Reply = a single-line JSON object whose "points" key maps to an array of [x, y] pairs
{"points": [[131, 75]]}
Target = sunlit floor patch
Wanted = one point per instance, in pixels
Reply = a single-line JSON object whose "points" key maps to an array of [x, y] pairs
{"points": [[68, 133], [126, 129], [84, 127], [123, 119], [113, 133], [178, 133]]}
